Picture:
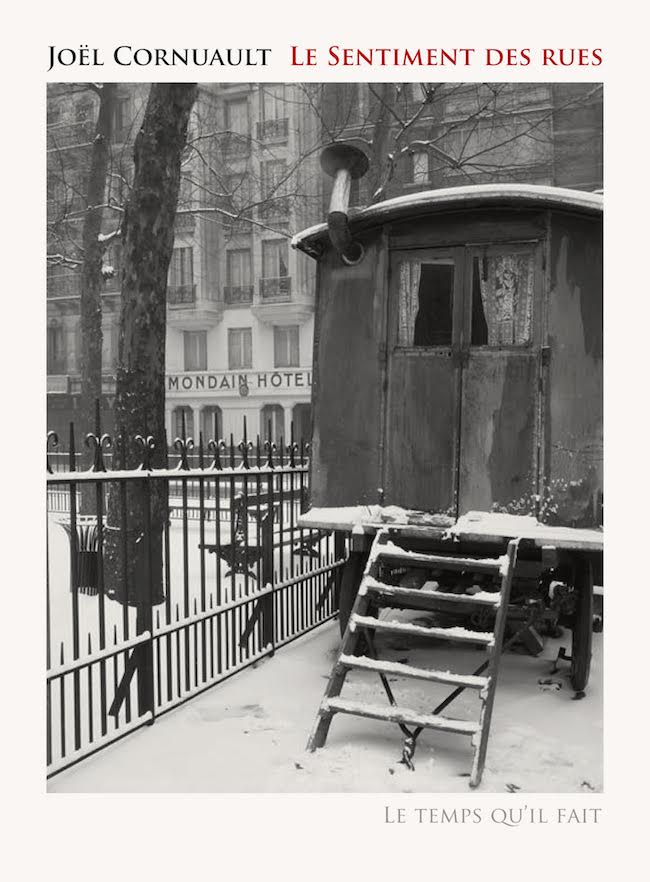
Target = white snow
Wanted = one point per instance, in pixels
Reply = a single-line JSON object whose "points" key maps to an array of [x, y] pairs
{"points": [[445, 197], [249, 733], [477, 524], [483, 523], [372, 516]]}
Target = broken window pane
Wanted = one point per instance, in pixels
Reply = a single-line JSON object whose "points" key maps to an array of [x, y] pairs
{"points": [[425, 302], [502, 299]]}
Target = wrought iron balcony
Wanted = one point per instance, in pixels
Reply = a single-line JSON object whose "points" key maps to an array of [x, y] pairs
{"points": [[57, 380], [179, 295], [236, 294], [273, 129], [276, 290]]}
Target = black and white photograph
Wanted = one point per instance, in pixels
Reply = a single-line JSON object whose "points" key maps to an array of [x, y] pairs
{"points": [[324, 437]]}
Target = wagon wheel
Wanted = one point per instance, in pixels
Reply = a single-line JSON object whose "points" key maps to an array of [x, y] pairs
{"points": [[583, 585], [350, 581]]}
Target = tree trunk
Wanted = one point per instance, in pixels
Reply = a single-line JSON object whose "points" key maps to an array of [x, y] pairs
{"points": [[148, 239], [92, 281]]}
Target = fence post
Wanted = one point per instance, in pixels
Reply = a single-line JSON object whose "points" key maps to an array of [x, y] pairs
{"points": [[268, 602], [144, 618], [339, 554]]}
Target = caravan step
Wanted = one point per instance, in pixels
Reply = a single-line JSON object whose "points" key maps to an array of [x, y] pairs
{"points": [[415, 558], [392, 714], [456, 634], [434, 598], [381, 666]]}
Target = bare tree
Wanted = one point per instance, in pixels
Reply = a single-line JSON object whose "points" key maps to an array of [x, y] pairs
{"points": [[417, 136], [94, 246], [148, 239]]}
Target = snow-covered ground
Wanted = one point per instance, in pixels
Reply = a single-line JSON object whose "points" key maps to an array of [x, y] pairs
{"points": [[249, 733]]}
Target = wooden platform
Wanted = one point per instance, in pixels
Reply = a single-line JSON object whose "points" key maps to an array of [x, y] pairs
{"points": [[475, 526]]}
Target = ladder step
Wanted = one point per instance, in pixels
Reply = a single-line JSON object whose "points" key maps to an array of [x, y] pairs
{"points": [[398, 715], [474, 564], [430, 599], [456, 634], [380, 666]]}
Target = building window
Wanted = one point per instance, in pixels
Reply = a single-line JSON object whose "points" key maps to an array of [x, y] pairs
{"points": [[55, 351], [275, 259], [273, 102], [238, 267], [275, 283], [302, 423], [120, 119], [273, 172], [211, 423], [186, 192], [239, 276], [272, 422], [196, 350], [286, 346], [420, 167], [237, 117], [181, 268], [181, 276], [240, 348], [183, 423]]}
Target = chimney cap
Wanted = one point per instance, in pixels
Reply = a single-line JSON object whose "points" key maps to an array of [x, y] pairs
{"points": [[341, 155]]}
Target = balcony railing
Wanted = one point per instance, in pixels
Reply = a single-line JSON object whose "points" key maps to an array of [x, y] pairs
{"points": [[278, 207], [272, 129], [276, 290], [57, 380], [70, 134], [180, 295], [236, 294]]}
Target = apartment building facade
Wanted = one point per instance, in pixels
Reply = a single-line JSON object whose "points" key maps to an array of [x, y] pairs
{"points": [[240, 300]]}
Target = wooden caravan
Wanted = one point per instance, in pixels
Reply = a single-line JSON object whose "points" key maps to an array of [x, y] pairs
{"points": [[458, 363], [458, 370]]}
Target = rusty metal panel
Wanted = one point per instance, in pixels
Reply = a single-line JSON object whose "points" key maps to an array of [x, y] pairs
{"points": [[422, 432], [347, 381], [498, 433], [574, 453]]}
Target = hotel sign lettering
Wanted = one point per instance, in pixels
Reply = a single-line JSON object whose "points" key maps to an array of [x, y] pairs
{"points": [[246, 383]]}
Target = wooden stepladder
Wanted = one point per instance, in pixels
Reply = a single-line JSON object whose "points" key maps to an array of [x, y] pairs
{"points": [[374, 595]]}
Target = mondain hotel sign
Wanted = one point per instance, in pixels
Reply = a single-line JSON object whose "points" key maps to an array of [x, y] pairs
{"points": [[241, 384]]}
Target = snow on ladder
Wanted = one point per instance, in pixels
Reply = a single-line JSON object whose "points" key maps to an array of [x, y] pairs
{"points": [[374, 594]]}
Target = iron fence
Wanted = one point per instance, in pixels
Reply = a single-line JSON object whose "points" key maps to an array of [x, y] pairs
{"points": [[162, 582]]}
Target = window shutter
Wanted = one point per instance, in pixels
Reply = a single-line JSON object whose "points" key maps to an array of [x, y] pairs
{"points": [[294, 357], [232, 348], [248, 347]]}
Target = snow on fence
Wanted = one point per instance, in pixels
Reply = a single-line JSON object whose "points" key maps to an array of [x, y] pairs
{"points": [[161, 582]]}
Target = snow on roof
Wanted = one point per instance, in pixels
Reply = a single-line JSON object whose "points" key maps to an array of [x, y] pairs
{"points": [[431, 201]]}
